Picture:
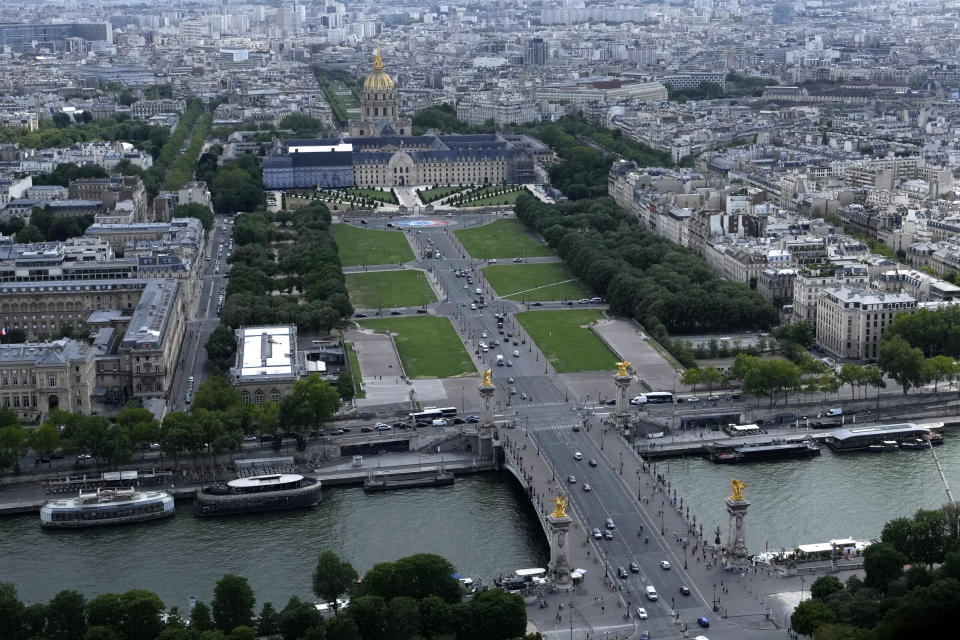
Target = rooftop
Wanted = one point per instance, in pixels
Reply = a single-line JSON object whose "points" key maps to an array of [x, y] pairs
{"points": [[267, 352]]}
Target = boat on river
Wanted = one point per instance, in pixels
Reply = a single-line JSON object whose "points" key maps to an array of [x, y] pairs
{"points": [[767, 449], [258, 493], [915, 443], [884, 445], [106, 507]]}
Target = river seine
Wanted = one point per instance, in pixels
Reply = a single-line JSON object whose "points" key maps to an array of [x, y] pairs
{"points": [[818, 499], [482, 524]]}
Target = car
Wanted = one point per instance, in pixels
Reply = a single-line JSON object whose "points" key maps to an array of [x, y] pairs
{"points": [[492, 261], [396, 312], [384, 427], [641, 613], [366, 429], [593, 462], [421, 310], [621, 572], [475, 419], [713, 398], [500, 331], [693, 399], [634, 567], [608, 535], [337, 432], [684, 589], [537, 304], [245, 439], [41, 461], [645, 635], [483, 335], [381, 424], [509, 334], [518, 259], [509, 363], [515, 343], [586, 488], [576, 428], [84, 456], [664, 564], [571, 479], [703, 621], [473, 307], [610, 524], [597, 534], [734, 396], [440, 422], [583, 301], [596, 300], [513, 391], [345, 429], [400, 425], [459, 421], [516, 353], [509, 380], [577, 455], [360, 315]]}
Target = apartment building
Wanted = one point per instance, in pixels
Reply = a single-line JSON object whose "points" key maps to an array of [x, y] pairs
{"points": [[851, 320], [38, 377], [813, 279]]}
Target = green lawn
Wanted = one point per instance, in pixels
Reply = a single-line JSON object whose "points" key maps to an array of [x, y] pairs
{"points": [[385, 289], [369, 246], [428, 346], [564, 338], [489, 201], [430, 195], [532, 282], [503, 238], [376, 194], [355, 370]]}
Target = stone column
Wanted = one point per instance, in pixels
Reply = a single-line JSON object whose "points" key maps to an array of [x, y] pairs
{"points": [[735, 551], [486, 407], [622, 414], [559, 568]]}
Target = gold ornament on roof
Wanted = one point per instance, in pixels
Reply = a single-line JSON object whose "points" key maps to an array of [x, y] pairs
{"points": [[486, 378], [379, 80], [738, 487], [560, 511], [623, 366]]}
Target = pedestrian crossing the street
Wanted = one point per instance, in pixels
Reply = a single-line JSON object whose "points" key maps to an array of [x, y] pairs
{"points": [[550, 427]]}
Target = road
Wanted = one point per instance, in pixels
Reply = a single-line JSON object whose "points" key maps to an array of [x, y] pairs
{"points": [[193, 357]]}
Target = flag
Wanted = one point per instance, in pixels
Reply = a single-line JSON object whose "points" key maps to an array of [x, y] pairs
{"points": [[3, 331]]}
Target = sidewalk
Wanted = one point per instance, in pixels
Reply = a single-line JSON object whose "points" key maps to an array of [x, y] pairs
{"points": [[597, 610]]}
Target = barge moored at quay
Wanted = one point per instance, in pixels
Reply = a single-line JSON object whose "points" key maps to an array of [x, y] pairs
{"points": [[106, 507], [258, 493]]}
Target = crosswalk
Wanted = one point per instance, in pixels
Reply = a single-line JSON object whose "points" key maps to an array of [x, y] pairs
{"points": [[550, 427], [524, 405]]}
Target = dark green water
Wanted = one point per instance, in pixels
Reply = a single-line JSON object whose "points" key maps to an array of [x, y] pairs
{"points": [[818, 499], [482, 524]]}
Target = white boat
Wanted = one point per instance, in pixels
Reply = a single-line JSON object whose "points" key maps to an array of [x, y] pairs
{"points": [[106, 506]]}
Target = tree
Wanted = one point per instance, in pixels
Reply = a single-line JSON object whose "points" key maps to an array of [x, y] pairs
{"points": [[939, 368], [297, 618], [269, 620], [900, 361], [692, 377], [370, 614], [811, 614], [345, 385], [35, 620], [30, 233], [195, 210], [105, 610], [221, 347], [341, 628], [11, 613], [233, 602], [243, 633], [497, 615], [13, 445], [928, 536], [67, 616], [311, 403], [332, 578], [883, 564], [897, 533], [61, 120], [99, 632], [436, 616], [825, 586], [200, 618], [140, 615], [106, 441], [216, 394], [403, 618]]}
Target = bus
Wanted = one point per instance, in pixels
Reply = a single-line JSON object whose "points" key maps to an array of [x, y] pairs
{"points": [[653, 397], [433, 413]]}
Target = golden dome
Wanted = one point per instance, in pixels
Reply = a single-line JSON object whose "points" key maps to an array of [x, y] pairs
{"points": [[378, 80]]}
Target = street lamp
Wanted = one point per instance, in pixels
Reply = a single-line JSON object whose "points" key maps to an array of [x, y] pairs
{"points": [[661, 519], [714, 597]]}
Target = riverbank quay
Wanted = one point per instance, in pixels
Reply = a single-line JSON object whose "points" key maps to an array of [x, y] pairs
{"points": [[694, 442]]}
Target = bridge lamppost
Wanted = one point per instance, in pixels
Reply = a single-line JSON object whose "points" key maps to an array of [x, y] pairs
{"points": [[661, 518], [714, 597]]}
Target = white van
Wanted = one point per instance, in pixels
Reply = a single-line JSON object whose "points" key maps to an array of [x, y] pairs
{"points": [[478, 291], [651, 593], [835, 412]]}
